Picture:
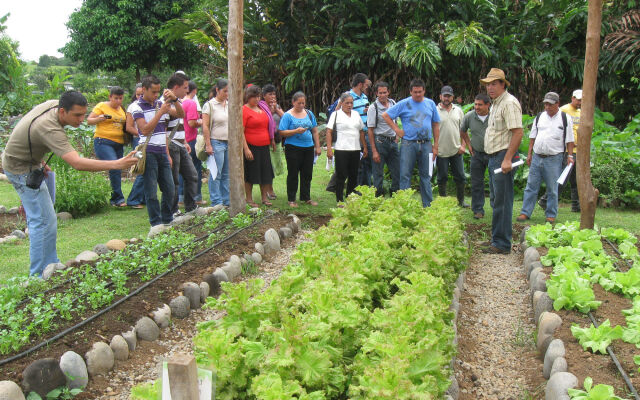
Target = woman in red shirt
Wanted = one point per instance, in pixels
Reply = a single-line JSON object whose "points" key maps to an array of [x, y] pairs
{"points": [[257, 160]]}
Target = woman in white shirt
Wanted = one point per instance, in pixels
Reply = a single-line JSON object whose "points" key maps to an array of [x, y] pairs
{"points": [[345, 128], [215, 129]]}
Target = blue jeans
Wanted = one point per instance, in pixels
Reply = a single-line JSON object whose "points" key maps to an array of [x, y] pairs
{"points": [[410, 152], [547, 169], [501, 224], [136, 196], [389, 154], [157, 172], [365, 170], [219, 185], [479, 164], [109, 150], [41, 221]]}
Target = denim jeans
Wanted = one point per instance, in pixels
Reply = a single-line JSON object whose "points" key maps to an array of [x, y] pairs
{"points": [[50, 181], [501, 224], [136, 196], [41, 221], [109, 150], [387, 148], [547, 169], [157, 172], [410, 152], [219, 184], [365, 168], [457, 168], [479, 164], [183, 166], [299, 163]]}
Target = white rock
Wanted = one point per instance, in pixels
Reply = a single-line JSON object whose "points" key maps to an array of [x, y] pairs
{"points": [[547, 326], [217, 207], [557, 387], [74, 369], [48, 272], [555, 350], [116, 244], [541, 303], [19, 234], [531, 267], [86, 256], [3, 210], [180, 307], [191, 291], [531, 255], [272, 241], [100, 359], [13, 210], [10, 390], [259, 248], [64, 216], [120, 348], [254, 210], [162, 316], [285, 232], [559, 365], [221, 275], [147, 330], [100, 249], [204, 291], [257, 258], [182, 219], [156, 230], [131, 339]]}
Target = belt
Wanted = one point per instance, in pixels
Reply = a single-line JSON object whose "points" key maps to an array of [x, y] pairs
{"points": [[496, 153], [546, 155], [388, 138], [419, 141]]}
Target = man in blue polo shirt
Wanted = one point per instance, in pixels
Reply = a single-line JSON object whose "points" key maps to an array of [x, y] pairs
{"points": [[151, 116], [420, 122]]}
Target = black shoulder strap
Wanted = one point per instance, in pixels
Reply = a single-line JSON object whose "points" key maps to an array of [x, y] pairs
{"points": [[564, 128], [375, 104], [29, 135], [536, 120]]}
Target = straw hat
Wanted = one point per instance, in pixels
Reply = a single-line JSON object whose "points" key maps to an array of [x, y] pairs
{"points": [[495, 74]]}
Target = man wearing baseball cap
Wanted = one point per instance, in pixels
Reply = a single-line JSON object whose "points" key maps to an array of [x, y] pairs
{"points": [[501, 141], [451, 146], [550, 133], [573, 110]]}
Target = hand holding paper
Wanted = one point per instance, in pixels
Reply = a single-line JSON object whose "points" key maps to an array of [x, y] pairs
{"points": [[515, 164]]}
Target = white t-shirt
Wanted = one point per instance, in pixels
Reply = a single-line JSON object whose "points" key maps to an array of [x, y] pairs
{"points": [[548, 134], [218, 118], [348, 127]]}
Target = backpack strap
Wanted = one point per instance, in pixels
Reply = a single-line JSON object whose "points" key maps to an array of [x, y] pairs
{"points": [[564, 129], [29, 136], [375, 104]]}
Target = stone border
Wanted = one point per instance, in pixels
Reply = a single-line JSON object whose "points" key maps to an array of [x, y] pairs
{"points": [[551, 350], [73, 370]]}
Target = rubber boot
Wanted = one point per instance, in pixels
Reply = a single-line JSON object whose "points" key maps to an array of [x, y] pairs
{"points": [[460, 195], [442, 188], [575, 200], [542, 201]]}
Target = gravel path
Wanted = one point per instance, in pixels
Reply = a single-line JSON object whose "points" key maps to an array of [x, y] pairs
{"points": [[144, 364], [497, 358]]}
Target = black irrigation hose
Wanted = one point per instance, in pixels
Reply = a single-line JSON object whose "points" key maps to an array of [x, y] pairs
{"points": [[617, 363], [61, 284], [614, 247], [127, 297]]}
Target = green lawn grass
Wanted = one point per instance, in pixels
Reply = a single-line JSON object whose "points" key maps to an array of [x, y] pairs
{"points": [[82, 234]]}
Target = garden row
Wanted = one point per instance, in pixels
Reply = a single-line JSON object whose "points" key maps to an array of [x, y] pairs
{"points": [[580, 267], [31, 308], [363, 311]]}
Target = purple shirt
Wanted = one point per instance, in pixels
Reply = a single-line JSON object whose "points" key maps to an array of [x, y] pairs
{"points": [[158, 138]]}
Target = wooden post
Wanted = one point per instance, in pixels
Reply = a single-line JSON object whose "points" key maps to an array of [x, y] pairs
{"points": [[183, 377], [588, 194], [235, 39]]}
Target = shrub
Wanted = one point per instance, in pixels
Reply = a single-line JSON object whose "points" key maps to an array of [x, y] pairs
{"points": [[79, 192]]}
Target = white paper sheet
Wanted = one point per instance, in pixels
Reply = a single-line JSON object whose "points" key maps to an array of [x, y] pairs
{"points": [[211, 165], [513, 165], [432, 163], [329, 165], [563, 176]]}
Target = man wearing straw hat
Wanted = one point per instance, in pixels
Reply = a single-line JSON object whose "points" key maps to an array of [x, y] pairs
{"points": [[501, 142]]}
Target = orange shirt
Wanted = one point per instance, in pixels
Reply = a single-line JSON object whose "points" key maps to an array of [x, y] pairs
{"points": [[256, 127]]}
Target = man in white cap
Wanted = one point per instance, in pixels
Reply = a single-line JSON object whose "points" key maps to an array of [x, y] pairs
{"points": [[501, 141], [573, 110], [551, 131]]}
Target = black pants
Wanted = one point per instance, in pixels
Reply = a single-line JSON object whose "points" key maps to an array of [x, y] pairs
{"points": [[457, 168], [183, 165], [347, 162], [299, 162]]}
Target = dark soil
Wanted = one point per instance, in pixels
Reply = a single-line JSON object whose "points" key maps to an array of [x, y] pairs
{"points": [[123, 317]]}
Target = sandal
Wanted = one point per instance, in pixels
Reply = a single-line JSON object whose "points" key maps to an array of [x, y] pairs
{"points": [[293, 204], [267, 203], [271, 196], [252, 204], [137, 206], [121, 205], [312, 203]]}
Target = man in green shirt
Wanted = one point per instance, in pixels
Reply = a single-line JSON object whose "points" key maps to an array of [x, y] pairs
{"points": [[475, 123]]}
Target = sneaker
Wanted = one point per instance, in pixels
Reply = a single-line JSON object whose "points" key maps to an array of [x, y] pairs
{"points": [[478, 215], [494, 250], [522, 218], [177, 214]]}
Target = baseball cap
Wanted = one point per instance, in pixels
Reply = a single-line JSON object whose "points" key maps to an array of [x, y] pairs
{"points": [[551, 98], [577, 94], [446, 90]]}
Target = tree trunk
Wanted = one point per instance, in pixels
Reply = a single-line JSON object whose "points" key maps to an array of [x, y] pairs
{"points": [[588, 194], [235, 38], [137, 74]]}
